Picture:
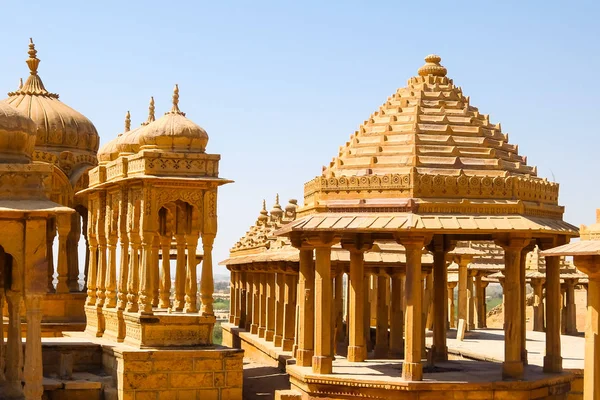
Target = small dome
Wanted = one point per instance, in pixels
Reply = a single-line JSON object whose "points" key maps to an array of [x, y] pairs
{"points": [[17, 135], [174, 132], [59, 127]]}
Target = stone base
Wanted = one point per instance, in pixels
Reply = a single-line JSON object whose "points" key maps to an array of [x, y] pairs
{"points": [[210, 372], [160, 329], [379, 379]]}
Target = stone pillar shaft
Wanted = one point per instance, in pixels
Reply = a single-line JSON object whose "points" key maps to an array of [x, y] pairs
{"points": [[165, 276], [451, 307], [180, 273], [553, 359], [463, 297], [145, 292], [381, 333], [207, 285], [357, 350], [134, 273], [279, 309], [63, 223], [306, 308], [191, 282], [289, 313], [397, 320], [270, 308], [440, 303], [243, 301], [14, 352], [571, 311], [92, 272], [32, 372], [412, 370], [339, 309], [323, 352]]}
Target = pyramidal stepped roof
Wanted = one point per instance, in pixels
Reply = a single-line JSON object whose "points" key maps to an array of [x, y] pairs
{"points": [[430, 125]]}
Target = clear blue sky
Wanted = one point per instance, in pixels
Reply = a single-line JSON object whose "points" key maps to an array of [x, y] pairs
{"points": [[279, 86]]}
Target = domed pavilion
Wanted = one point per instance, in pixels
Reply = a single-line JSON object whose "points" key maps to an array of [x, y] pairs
{"points": [[26, 212], [68, 141], [424, 170], [155, 187]]}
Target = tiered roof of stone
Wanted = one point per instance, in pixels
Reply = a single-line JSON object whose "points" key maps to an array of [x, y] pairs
{"points": [[431, 126]]}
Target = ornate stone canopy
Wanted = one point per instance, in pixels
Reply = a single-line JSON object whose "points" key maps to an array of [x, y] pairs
{"points": [[428, 160]]}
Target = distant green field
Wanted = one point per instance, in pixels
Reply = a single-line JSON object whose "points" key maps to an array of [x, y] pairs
{"points": [[491, 303]]}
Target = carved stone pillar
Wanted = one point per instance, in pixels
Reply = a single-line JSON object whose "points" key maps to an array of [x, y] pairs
{"points": [[478, 300], [481, 304], [440, 299], [382, 346], [249, 301], [552, 359], [339, 308], [323, 353], [63, 224], [270, 310], [255, 303], [357, 315], [232, 295], [145, 292], [50, 235], [207, 285], [571, 311], [180, 273], [101, 273], [14, 352], [111, 272], [512, 367], [451, 307], [463, 296], [367, 313], [428, 303], [73, 255], [470, 303], [165, 276], [241, 322], [133, 280], [279, 308], [92, 271], [240, 287], [123, 270], [155, 271], [289, 312], [306, 305], [538, 304], [412, 370], [32, 372], [191, 287], [397, 320], [262, 315]]}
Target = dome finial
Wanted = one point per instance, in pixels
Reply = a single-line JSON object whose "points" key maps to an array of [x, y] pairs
{"points": [[32, 61], [432, 66], [151, 117], [264, 206], [127, 122], [175, 109], [20, 83]]}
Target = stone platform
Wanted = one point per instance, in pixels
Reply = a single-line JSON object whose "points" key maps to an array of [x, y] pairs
{"points": [[473, 371], [175, 373]]}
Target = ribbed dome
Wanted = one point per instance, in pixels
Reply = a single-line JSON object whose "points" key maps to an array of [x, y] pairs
{"points": [[17, 135], [59, 127], [174, 132]]}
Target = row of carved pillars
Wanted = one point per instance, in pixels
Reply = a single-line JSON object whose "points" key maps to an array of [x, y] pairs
{"points": [[13, 368], [68, 230], [144, 281], [472, 308], [264, 303]]}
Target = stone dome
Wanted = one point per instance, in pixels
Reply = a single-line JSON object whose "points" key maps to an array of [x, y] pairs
{"points": [[17, 135], [59, 127], [174, 132]]}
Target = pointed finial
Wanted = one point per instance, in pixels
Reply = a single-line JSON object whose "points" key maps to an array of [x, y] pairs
{"points": [[264, 214], [264, 207], [175, 108], [432, 66], [127, 122], [20, 83], [32, 61], [277, 199], [150, 112]]}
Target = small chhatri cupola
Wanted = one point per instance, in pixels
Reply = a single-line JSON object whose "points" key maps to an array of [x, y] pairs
{"points": [[64, 136]]}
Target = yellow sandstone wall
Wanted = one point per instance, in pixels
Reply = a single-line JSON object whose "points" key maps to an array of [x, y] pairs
{"points": [[195, 374]]}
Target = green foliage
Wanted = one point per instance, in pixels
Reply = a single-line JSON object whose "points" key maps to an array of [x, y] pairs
{"points": [[218, 334], [221, 304]]}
